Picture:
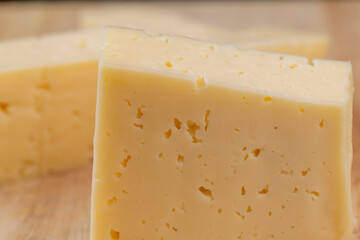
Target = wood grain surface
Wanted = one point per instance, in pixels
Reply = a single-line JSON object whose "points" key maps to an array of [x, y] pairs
{"points": [[57, 206]]}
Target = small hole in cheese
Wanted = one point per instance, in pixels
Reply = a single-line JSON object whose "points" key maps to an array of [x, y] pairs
{"points": [[200, 81], [267, 99], [168, 64], [315, 193], [180, 159], [167, 134], [192, 128], [265, 190], [125, 161], [212, 48], [249, 209], [139, 125], [243, 191], [128, 102], [177, 123], [111, 201], [239, 214], [140, 113], [206, 192], [305, 172], [207, 113], [321, 124], [256, 152], [115, 235], [292, 66]]}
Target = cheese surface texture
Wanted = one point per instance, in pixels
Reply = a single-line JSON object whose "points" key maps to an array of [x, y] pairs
{"points": [[165, 21], [47, 103], [197, 140]]}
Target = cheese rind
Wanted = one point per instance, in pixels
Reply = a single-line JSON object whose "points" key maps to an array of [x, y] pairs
{"points": [[234, 155], [165, 21]]}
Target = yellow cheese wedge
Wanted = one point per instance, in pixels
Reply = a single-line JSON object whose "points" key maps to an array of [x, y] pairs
{"points": [[158, 20], [47, 103], [197, 140]]}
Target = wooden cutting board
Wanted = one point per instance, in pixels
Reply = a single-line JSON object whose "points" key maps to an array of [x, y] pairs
{"points": [[57, 207]]}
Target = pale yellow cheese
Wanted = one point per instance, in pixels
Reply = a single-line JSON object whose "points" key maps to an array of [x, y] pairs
{"points": [[165, 21], [197, 140], [47, 103], [20, 123]]}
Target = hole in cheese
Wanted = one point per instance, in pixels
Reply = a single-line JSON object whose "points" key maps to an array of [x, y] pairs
{"points": [[115, 235], [206, 192], [177, 123]]}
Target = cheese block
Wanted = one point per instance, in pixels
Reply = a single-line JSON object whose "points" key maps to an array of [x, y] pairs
{"points": [[165, 21], [198, 140], [47, 103]]}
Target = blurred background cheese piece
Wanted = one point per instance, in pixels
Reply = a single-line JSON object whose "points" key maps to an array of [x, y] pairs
{"points": [[47, 103], [170, 21]]}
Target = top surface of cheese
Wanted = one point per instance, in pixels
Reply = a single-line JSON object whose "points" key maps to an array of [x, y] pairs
{"points": [[247, 37], [58, 48], [152, 19], [275, 74], [169, 21], [164, 21]]}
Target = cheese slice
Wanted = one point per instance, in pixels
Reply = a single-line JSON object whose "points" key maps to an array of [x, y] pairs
{"points": [[198, 140], [165, 21], [47, 103]]}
